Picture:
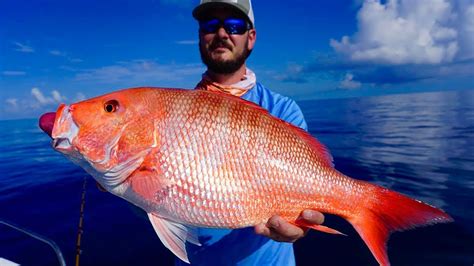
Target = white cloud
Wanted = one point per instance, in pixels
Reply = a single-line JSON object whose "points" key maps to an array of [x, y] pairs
{"points": [[466, 33], [65, 55], [57, 97], [13, 73], [79, 97], [57, 53], [292, 74], [12, 106], [410, 32], [140, 72], [111, 73], [349, 82], [41, 99], [38, 103], [187, 42], [23, 48], [12, 101], [38, 95]]}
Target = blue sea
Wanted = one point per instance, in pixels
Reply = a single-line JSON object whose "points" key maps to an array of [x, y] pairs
{"points": [[421, 145]]}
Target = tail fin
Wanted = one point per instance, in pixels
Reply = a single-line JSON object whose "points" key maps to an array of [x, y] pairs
{"points": [[390, 211]]}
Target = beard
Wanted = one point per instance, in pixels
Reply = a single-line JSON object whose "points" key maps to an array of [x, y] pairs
{"points": [[223, 66]]}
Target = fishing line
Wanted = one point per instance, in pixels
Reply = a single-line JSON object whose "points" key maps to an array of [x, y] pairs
{"points": [[81, 219]]}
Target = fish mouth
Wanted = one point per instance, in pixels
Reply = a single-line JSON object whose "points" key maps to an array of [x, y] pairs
{"points": [[62, 144], [64, 130]]}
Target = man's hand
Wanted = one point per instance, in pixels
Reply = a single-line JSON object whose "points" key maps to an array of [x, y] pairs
{"points": [[282, 231]]}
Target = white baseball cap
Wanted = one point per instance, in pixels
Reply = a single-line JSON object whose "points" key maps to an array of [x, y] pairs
{"points": [[244, 6]]}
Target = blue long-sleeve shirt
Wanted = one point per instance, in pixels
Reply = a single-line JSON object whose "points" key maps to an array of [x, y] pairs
{"points": [[242, 246]]}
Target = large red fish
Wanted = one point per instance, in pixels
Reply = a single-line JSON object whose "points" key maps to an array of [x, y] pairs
{"points": [[196, 158]]}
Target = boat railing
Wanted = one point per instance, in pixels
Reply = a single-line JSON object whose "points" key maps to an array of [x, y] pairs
{"points": [[39, 237]]}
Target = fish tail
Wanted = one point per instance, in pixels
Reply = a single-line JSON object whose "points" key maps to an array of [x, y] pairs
{"points": [[390, 211]]}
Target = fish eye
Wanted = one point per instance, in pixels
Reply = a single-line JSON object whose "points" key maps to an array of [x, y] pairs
{"points": [[111, 106]]}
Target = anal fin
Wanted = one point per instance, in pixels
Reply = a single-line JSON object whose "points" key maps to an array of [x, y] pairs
{"points": [[174, 235], [321, 228]]}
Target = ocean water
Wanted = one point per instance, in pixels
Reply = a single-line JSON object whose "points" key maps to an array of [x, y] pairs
{"points": [[421, 145]]}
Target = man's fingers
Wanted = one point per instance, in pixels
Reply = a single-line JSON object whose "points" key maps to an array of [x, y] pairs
{"points": [[262, 229], [281, 230], [313, 217]]}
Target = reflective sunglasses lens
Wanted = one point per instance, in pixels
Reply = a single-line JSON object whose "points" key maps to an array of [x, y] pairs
{"points": [[209, 26], [231, 26], [235, 26]]}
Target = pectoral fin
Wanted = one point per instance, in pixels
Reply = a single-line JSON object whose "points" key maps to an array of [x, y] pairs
{"points": [[174, 235]]}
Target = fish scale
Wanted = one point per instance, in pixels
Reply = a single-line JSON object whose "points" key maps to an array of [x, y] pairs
{"points": [[238, 141], [208, 159]]}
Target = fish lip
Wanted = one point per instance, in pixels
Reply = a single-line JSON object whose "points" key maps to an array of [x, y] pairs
{"points": [[64, 131], [62, 144]]}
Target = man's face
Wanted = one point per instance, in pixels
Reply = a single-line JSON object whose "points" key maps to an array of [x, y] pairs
{"points": [[221, 52]]}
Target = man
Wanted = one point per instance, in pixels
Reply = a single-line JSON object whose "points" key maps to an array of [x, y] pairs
{"points": [[226, 38]]}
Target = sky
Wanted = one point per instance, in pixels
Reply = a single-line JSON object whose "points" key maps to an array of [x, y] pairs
{"points": [[54, 51]]}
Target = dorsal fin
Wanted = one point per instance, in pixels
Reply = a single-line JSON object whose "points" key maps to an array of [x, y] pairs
{"points": [[315, 144]]}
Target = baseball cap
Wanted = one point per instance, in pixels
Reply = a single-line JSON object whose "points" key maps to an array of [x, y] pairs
{"points": [[244, 6]]}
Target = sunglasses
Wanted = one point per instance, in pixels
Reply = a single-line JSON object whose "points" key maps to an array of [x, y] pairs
{"points": [[231, 25]]}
